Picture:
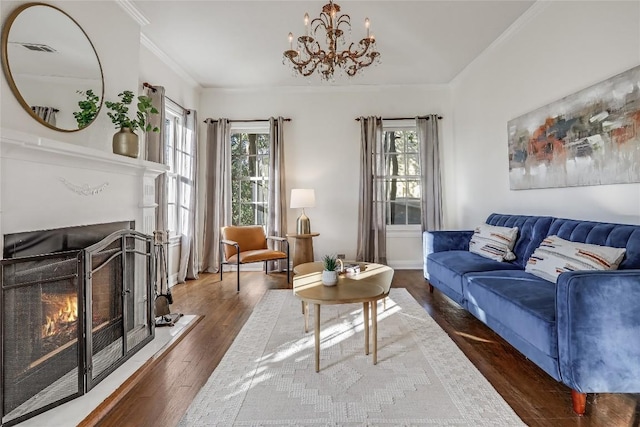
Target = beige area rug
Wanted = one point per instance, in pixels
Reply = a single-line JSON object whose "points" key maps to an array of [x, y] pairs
{"points": [[268, 378]]}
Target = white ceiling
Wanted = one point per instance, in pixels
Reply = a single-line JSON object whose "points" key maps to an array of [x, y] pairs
{"points": [[240, 43]]}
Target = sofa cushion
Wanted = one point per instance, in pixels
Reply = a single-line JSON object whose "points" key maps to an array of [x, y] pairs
{"points": [[604, 234], [531, 231], [449, 267], [520, 301], [494, 242], [555, 256]]}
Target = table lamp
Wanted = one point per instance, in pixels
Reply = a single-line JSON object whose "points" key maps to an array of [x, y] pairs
{"points": [[303, 198]]}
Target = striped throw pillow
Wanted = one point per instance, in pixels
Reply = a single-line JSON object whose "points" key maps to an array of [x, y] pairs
{"points": [[555, 256], [494, 242]]}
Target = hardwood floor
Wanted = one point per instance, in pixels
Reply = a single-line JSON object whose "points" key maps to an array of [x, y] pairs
{"points": [[165, 391]]}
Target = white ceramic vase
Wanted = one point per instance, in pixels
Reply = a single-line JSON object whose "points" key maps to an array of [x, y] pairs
{"points": [[329, 278]]}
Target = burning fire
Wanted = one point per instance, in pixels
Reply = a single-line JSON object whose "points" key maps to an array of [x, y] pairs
{"points": [[60, 310]]}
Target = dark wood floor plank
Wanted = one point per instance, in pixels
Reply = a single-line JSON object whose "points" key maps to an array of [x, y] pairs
{"points": [[163, 394]]}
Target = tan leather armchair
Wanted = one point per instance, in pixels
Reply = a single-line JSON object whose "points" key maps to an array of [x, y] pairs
{"points": [[247, 244]]}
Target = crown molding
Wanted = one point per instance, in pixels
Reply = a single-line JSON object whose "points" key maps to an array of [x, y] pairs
{"points": [[162, 56], [523, 20], [133, 12], [327, 88]]}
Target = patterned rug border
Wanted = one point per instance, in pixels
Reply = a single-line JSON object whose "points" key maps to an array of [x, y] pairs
{"points": [[221, 399]]}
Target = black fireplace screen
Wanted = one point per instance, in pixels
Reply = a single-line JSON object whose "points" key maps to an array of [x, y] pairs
{"points": [[41, 330], [50, 301]]}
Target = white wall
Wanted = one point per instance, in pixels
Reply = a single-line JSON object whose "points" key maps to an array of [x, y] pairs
{"points": [[322, 148], [184, 91], [554, 50]]}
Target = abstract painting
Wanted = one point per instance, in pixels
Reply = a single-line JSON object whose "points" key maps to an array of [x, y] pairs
{"points": [[589, 138]]}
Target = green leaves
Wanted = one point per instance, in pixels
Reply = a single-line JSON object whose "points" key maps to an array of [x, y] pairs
{"points": [[119, 114], [330, 262], [88, 108]]}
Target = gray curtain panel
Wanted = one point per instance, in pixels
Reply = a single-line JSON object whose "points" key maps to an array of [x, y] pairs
{"points": [[188, 268], [372, 219], [431, 202], [155, 152], [217, 198], [277, 201], [48, 114]]}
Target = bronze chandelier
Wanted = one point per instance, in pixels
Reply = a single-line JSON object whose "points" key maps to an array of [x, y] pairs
{"points": [[311, 56]]}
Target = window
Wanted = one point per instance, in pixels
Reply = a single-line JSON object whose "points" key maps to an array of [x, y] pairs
{"points": [[179, 153], [402, 174], [249, 175]]}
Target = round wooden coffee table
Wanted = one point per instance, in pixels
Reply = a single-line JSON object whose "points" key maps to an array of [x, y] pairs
{"points": [[367, 287]]}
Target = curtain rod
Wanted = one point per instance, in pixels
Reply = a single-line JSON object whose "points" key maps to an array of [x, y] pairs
{"points": [[403, 118], [153, 89], [247, 120]]}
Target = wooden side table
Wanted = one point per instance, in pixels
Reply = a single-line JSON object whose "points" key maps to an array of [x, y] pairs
{"points": [[302, 248]]}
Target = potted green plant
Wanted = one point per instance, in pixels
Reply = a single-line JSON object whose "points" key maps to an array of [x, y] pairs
{"points": [[89, 108], [330, 271], [126, 141]]}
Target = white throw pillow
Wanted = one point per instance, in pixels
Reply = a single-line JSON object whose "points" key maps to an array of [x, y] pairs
{"points": [[555, 256], [494, 242]]}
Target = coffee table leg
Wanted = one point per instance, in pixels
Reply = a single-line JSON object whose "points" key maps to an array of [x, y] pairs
{"points": [[305, 312], [374, 322], [365, 319], [317, 333]]}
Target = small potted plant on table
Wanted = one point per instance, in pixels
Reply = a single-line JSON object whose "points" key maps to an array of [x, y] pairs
{"points": [[330, 271], [125, 141]]}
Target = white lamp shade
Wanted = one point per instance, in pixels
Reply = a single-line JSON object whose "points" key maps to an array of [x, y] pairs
{"points": [[303, 198]]}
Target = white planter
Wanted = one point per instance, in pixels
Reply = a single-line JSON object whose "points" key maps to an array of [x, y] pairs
{"points": [[329, 278]]}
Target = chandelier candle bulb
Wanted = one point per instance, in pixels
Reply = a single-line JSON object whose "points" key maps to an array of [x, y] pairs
{"points": [[366, 25]]}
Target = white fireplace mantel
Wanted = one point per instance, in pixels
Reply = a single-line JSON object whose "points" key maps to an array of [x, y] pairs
{"points": [[48, 184]]}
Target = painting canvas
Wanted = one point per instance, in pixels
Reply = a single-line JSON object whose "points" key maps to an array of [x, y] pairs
{"points": [[589, 138]]}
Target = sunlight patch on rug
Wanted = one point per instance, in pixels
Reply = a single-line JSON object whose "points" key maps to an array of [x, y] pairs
{"points": [[267, 377]]}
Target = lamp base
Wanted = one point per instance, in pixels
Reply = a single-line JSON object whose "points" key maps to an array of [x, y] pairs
{"points": [[303, 226]]}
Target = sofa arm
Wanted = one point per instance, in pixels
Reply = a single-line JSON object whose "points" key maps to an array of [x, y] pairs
{"points": [[440, 241], [598, 321]]}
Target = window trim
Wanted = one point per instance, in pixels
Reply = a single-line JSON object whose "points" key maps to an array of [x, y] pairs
{"points": [[401, 230], [176, 114], [253, 127]]}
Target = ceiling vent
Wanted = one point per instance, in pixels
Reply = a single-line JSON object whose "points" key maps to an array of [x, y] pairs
{"points": [[37, 47]]}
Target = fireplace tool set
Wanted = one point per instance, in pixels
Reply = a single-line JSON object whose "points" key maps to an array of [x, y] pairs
{"points": [[163, 299]]}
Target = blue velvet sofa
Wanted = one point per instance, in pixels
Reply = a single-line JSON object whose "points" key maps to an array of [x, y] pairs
{"points": [[584, 331]]}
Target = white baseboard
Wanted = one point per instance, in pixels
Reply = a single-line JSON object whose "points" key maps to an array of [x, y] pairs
{"points": [[405, 265], [396, 265], [258, 266], [173, 279]]}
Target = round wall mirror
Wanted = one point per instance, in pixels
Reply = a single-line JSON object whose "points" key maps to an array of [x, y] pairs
{"points": [[52, 67]]}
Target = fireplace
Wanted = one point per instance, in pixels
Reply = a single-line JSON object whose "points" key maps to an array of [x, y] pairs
{"points": [[73, 314]]}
